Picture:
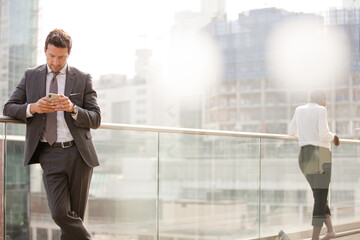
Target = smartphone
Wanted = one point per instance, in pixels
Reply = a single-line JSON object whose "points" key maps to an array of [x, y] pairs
{"points": [[52, 96]]}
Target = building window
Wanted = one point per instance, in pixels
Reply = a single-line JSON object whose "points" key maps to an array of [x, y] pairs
{"points": [[120, 112], [41, 233], [141, 92]]}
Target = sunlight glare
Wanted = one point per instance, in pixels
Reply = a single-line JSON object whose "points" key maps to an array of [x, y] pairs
{"points": [[194, 63], [306, 54]]}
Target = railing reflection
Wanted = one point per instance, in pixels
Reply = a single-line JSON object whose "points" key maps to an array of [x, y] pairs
{"points": [[170, 183]]}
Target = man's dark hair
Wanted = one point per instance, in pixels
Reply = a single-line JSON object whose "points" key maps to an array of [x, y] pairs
{"points": [[59, 38], [317, 95]]}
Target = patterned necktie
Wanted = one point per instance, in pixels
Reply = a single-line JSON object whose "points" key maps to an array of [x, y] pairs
{"points": [[51, 122]]}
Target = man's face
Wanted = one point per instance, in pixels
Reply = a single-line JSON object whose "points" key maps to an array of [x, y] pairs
{"points": [[56, 57]]}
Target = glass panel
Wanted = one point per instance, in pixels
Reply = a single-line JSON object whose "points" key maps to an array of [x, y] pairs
{"points": [[345, 184], [16, 185], [209, 187], [286, 198], [122, 199], [2, 172]]}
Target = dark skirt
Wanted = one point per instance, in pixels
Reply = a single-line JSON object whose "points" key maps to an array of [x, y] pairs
{"points": [[315, 164]]}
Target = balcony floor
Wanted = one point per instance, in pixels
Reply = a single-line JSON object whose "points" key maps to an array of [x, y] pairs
{"points": [[349, 237]]}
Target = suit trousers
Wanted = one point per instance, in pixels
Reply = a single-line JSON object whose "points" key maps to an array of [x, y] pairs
{"points": [[319, 181], [67, 180]]}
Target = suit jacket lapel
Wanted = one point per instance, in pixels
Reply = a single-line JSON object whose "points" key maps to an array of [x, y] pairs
{"points": [[42, 84], [70, 81]]}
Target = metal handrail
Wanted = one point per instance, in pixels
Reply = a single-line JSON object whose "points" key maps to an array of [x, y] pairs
{"points": [[156, 129], [143, 128]]}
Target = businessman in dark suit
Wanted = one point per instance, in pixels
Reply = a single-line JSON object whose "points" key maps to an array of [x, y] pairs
{"points": [[58, 132]]}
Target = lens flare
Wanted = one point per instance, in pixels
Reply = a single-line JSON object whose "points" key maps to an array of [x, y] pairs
{"points": [[194, 62], [304, 53]]}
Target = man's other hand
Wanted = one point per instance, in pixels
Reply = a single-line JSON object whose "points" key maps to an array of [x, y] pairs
{"points": [[62, 104], [41, 106]]}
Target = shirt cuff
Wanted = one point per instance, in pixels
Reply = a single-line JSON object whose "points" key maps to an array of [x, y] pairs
{"points": [[74, 116], [76, 111], [28, 114]]}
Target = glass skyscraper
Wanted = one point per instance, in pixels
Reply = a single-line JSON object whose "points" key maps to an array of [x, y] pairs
{"points": [[18, 51], [18, 42]]}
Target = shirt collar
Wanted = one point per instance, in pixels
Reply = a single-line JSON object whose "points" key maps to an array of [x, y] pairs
{"points": [[62, 71], [313, 104]]}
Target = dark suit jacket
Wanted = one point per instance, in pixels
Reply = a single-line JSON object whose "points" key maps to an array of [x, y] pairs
{"points": [[32, 88]]}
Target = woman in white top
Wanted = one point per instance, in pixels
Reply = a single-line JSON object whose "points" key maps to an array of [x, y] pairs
{"points": [[310, 125]]}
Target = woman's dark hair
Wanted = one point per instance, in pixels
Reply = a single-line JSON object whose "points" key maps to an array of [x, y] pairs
{"points": [[59, 38]]}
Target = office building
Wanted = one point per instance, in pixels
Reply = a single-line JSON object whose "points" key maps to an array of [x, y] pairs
{"points": [[245, 98], [248, 99]]}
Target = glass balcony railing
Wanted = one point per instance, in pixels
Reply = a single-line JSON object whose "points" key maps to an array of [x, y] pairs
{"points": [[172, 184]]}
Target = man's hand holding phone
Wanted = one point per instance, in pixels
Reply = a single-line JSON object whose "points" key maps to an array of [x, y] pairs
{"points": [[51, 103]]}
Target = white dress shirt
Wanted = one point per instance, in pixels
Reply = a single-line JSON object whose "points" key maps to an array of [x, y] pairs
{"points": [[310, 125], [63, 132]]}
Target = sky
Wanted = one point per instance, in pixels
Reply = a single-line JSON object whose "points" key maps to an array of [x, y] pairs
{"points": [[106, 33]]}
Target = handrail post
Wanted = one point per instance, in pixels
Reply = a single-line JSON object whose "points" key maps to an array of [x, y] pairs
{"points": [[260, 186], [2, 183], [157, 214]]}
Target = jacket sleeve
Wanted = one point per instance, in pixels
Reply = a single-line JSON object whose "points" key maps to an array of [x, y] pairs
{"points": [[89, 115], [16, 105]]}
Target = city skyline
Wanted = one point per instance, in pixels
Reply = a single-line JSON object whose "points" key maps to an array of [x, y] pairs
{"points": [[187, 185], [148, 26]]}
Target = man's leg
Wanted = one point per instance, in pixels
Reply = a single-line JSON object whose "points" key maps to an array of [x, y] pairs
{"points": [[79, 181], [55, 162]]}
